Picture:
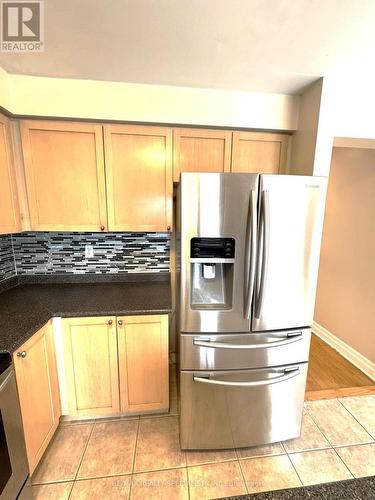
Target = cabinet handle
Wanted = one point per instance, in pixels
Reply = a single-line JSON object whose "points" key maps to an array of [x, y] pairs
{"points": [[109, 322], [22, 354], [120, 322], [168, 228], [102, 228]]}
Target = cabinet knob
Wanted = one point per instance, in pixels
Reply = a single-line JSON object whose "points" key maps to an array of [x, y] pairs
{"points": [[120, 322], [110, 322], [102, 228], [22, 354], [168, 228]]}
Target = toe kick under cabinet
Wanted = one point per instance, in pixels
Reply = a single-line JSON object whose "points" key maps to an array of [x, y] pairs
{"points": [[113, 365]]}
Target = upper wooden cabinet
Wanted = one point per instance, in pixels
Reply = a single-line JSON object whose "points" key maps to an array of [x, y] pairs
{"points": [[38, 389], [200, 150], [89, 177], [65, 178], [139, 177], [9, 209], [264, 153], [143, 363], [91, 365]]}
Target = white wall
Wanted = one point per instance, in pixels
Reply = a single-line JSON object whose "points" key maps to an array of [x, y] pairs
{"points": [[346, 286], [6, 95], [312, 143], [351, 103], [99, 100]]}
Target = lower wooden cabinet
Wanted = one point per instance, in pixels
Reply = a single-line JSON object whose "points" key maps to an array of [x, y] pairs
{"points": [[114, 365], [38, 389], [143, 363], [91, 366]]}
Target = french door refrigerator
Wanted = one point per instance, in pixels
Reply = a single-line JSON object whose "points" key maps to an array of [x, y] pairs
{"points": [[247, 261]]}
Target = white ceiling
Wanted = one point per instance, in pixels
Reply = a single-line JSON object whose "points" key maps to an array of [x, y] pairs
{"points": [[252, 45]]}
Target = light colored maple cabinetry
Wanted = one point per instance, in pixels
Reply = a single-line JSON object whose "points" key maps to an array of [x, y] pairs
{"points": [[264, 153], [64, 168], [89, 177], [139, 177], [38, 390], [114, 365], [91, 365], [71, 188], [9, 209], [143, 363], [200, 150]]}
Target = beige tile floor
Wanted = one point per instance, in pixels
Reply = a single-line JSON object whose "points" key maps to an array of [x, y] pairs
{"points": [[141, 458]]}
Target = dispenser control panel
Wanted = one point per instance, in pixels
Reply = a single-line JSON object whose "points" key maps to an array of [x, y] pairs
{"points": [[212, 248]]}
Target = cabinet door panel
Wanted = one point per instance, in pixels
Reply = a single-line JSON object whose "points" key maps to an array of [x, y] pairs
{"points": [[91, 366], [65, 179], [139, 177], [200, 150], [9, 209], [143, 362], [256, 152], [38, 389]]}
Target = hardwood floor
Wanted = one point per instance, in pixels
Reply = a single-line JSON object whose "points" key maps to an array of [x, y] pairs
{"points": [[331, 375]]}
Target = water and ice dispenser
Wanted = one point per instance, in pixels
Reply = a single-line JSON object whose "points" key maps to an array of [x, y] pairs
{"points": [[212, 261]]}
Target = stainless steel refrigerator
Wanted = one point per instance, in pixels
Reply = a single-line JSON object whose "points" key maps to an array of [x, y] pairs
{"points": [[247, 261]]}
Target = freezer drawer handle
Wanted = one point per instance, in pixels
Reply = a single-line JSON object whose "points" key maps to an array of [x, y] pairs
{"points": [[288, 374], [266, 345]]}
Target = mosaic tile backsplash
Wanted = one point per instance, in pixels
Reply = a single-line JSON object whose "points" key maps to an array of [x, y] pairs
{"points": [[114, 253], [7, 265]]}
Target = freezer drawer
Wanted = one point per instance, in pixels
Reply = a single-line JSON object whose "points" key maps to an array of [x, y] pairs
{"points": [[241, 408], [245, 350]]}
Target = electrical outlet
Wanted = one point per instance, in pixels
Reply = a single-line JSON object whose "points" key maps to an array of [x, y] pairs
{"points": [[89, 251]]}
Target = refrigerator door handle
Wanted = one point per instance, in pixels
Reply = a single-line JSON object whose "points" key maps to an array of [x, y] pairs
{"points": [[265, 345], [263, 240], [251, 249], [287, 374]]}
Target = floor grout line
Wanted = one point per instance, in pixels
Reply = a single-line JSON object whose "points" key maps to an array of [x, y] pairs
{"points": [[242, 474], [352, 445], [83, 453], [337, 446], [70, 491], [318, 426], [60, 481], [188, 481], [355, 418], [295, 469], [350, 472], [134, 455], [120, 474]]}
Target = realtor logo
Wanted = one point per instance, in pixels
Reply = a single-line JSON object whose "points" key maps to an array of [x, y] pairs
{"points": [[22, 26]]}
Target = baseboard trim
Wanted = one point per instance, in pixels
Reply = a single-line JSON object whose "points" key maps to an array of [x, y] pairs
{"points": [[357, 359]]}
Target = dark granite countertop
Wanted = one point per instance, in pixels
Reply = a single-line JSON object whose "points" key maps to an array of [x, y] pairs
{"points": [[29, 304]]}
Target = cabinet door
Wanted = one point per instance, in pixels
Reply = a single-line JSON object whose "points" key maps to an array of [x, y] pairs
{"points": [[9, 210], [38, 389], [143, 362], [65, 178], [91, 365], [259, 153], [139, 177], [200, 150]]}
